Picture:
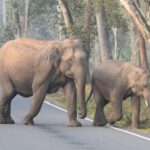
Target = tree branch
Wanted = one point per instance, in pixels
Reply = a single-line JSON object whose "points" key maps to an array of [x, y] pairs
{"points": [[138, 17]]}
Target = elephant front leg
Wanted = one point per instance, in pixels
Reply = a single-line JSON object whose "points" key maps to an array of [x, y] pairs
{"points": [[117, 111], [71, 96], [37, 100], [135, 104]]}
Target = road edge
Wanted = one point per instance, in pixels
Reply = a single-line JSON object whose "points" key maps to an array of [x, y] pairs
{"points": [[109, 126]]}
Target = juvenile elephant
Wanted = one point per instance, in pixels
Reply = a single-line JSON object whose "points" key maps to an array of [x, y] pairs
{"points": [[31, 67], [114, 81]]}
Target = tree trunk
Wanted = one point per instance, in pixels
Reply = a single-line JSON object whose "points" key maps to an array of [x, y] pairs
{"points": [[26, 18], [86, 25], [142, 47], [4, 12], [67, 16], [75, 5], [135, 54], [103, 34], [138, 17], [16, 21], [60, 27], [116, 56]]}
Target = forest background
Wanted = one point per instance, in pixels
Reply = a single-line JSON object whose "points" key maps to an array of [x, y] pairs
{"points": [[106, 28]]}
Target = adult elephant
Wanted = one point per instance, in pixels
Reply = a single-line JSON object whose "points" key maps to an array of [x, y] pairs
{"points": [[114, 81], [31, 67]]}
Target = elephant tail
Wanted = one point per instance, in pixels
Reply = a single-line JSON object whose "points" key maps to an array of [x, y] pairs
{"points": [[91, 92]]}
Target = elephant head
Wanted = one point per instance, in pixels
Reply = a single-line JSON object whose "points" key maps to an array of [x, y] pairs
{"points": [[140, 84], [74, 64]]}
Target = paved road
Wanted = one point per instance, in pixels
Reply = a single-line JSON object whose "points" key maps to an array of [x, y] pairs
{"points": [[51, 133]]}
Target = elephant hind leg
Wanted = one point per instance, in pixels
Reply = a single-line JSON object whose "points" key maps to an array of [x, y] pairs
{"points": [[99, 117], [7, 94]]}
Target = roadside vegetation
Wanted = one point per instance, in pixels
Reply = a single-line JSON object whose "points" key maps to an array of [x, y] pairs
{"points": [[59, 99]]}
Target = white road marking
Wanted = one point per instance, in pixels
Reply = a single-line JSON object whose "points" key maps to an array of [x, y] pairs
{"points": [[109, 126], [46, 102], [128, 132]]}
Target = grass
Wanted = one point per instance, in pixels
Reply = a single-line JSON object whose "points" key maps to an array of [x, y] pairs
{"points": [[59, 99]]}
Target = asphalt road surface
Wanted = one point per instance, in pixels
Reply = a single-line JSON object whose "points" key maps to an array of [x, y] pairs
{"points": [[51, 133]]}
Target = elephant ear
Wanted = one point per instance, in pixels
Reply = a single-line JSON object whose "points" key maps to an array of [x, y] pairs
{"points": [[135, 76], [50, 54]]}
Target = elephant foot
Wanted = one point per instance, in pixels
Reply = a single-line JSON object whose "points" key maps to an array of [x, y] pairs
{"points": [[99, 123], [7, 120], [27, 121], [82, 115], [112, 121], [74, 123], [2, 120], [99, 120]]}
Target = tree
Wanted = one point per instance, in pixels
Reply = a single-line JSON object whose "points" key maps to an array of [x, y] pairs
{"points": [[26, 17], [138, 17], [142, 46], [86, 25], [4, 12], [75, 30], [143, 54], [143, 28], [67, 16], [103, 36], [30, 17]]}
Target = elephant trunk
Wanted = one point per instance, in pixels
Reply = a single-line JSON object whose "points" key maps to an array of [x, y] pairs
{"points": [[80, 85]]}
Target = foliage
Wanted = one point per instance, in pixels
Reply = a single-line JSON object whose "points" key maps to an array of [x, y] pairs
{"points": [[6, 34], [77, 11], [39, 18], [115, 17], [44, 17], [114, 14]]}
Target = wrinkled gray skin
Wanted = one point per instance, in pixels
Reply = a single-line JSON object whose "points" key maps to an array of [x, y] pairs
{"points": [[114, 81], [34, 68]]}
